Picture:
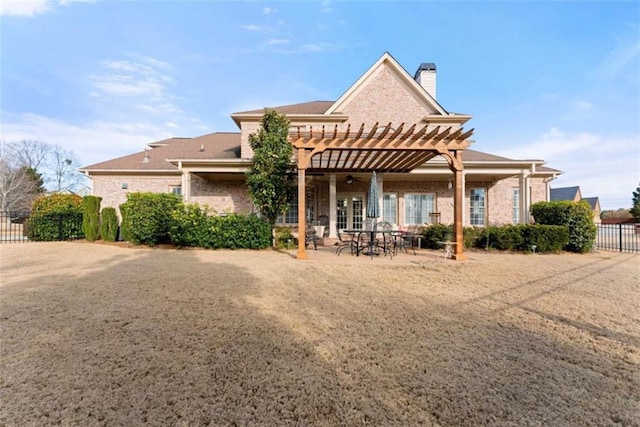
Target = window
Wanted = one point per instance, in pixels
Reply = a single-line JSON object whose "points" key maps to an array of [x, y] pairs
{"points": [[390, 208], [417, 208], [176, 189], [291, 216], [477, 205], [516, 205]]}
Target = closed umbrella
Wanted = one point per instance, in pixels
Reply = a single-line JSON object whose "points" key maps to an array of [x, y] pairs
{"points": [[373, 208]]}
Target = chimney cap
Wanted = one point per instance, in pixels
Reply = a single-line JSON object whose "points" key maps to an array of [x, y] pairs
{"points": [[425, 66]]}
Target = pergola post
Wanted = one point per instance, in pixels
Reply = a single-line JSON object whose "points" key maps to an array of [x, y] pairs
{"points": [[302, 218], [457, 206]]}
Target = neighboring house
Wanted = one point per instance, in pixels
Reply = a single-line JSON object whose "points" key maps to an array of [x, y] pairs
{"points": [[574, 194], [387, 121]]}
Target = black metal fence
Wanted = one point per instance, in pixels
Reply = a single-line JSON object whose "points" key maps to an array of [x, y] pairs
{"points": [[25, 227], [618, 237]]}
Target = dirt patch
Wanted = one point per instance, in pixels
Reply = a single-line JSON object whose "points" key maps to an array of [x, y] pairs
{"points": [[95, 334]]}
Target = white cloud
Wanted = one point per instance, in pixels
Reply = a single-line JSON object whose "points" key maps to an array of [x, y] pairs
{"points": [[272, 42], [620, 56], [30, 8], [607, 167], [145, 77], [326, 6], [26, 8], [583, 105], [92, 142], [268, 10], [250, 27]]}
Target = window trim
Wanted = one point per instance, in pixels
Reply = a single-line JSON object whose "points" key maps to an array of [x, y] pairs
{"points": [[484, 207]]}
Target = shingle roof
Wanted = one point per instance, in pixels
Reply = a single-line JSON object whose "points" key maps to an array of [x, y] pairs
{"points": [[219, 145], [593, 201], [564, 193], [314, 107]]}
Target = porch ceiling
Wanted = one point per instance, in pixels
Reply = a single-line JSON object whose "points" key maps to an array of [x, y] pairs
{"points": [[381, 149]]}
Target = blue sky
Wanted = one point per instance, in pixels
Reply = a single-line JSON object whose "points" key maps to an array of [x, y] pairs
{"points": [[558, 81]]}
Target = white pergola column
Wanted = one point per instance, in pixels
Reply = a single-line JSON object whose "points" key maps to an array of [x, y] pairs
{"points": [[333, 219], [186, 185], [523, 189], [463, 202]]}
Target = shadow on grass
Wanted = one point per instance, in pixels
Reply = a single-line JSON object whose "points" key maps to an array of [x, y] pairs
{"points": [[168, 337]]}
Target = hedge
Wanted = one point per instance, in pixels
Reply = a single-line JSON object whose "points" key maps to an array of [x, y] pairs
{"points": [[576, 217], [147, 217], [194, 226], [523, 238], [55, 217]]}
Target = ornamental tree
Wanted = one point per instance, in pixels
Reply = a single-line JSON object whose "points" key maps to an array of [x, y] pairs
{"points": [[635, 209], [270, 178]]}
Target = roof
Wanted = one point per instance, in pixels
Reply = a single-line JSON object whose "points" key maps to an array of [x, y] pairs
{"points": [[218, 145], [593, 202], [313, 107], [564, 193]]}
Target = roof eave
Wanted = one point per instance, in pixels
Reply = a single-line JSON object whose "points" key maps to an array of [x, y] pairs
{"points": [[294, 118]]}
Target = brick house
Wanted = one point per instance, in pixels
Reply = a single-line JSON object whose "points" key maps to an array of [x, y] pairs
{"points": [[574, 194], [415, 157]]}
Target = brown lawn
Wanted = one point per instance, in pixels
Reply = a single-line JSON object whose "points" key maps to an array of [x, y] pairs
{"points": [[95, 334]]}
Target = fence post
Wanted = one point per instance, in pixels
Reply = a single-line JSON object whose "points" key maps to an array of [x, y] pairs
{"points": [[620, 236]]}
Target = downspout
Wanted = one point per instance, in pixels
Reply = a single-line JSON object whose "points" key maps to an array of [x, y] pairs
{"points": [[547, 182]]}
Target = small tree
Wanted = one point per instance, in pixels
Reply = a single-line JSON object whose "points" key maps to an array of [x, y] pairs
{"points": [[91, 217], [635, 209], [109, 224], [270, 180]]}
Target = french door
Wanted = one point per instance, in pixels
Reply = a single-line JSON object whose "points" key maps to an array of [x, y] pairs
{"points": [[350, 211]]}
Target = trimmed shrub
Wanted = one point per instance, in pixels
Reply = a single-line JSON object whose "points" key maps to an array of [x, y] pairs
{"points": [[193, 226], [546, 238], [147, 217], [109, 224], [91, 217], [436, 233], [577, 217], [284, 238], [55, 217]]}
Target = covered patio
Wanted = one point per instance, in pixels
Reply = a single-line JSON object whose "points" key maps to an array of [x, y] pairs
{"points": [[383, 149]]}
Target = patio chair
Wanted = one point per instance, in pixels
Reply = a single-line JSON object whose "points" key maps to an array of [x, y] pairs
{"points": [[346, 241], [311, 237]]}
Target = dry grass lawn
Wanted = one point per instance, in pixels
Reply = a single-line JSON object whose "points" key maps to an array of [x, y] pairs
{"points": [[97, 334]]}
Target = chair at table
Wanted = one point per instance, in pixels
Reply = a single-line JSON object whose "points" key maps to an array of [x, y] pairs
{"points": [[346, 240], [311, 237], [407, 239]]}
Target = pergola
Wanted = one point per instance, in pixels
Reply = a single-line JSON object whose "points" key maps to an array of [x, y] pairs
{"points": [[381, 149]]}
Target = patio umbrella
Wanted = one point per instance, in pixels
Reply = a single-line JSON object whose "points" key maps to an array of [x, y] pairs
{"points": [[373, 204], [373, 208]]}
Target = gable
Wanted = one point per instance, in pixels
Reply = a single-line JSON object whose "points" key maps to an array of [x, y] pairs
{"points": [[386, 93]]}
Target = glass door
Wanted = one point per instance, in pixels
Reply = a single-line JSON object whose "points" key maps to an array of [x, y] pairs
{"points": [[350, 211]]}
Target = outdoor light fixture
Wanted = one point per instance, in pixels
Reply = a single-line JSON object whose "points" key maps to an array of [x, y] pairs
{"points": [[450, 184], [349, 179]]}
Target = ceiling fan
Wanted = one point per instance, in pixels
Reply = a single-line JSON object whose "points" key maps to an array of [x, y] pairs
{"points": [[350, 179]]}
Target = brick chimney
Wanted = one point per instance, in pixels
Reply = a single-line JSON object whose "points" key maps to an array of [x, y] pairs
{"points": [[426, 77]]}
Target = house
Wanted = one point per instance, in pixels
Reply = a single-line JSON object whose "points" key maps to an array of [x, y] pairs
{"points": [[574, 194], [388, 121]]}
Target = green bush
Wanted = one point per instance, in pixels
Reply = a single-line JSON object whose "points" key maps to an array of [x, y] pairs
{"points": [[91, 217], [577, 217], [436, 233], [55, 217], [522, 238], [284, 238], [147, 217], [192, 225], [109, 224]]}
